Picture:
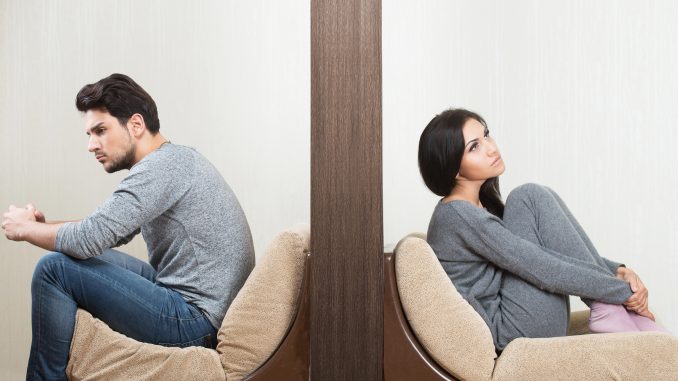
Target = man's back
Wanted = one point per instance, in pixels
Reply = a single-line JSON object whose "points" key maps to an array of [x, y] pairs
{"points": [[197, 235]]}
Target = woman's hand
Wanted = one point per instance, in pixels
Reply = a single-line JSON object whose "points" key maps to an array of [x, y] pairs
{"points": [[638, 302]]}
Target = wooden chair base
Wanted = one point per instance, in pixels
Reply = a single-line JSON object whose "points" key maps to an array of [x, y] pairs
{"points": [[404, 357], [291, 360]]}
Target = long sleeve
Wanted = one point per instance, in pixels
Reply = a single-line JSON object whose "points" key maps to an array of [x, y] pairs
{"points": [[150, 189], [486, 235], [612, 265]]}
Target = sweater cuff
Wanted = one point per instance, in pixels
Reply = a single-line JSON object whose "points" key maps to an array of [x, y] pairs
{"points": [[612, 265]]}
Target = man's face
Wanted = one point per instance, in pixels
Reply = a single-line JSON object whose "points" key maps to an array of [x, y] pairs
{"points": [[111, 142]]}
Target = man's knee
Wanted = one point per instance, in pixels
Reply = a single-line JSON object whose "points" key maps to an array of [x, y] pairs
{"points": [[47, 264]]}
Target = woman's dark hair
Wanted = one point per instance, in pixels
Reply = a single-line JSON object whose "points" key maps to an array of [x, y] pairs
{"points": [[441, 147], [121, 97]]}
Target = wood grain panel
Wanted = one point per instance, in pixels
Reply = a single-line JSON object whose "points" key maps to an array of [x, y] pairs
{"points": [[346, 190]]}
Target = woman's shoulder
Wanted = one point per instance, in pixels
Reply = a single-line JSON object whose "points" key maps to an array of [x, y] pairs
{"points": [[459, 209], [462, 217], [449, 216]]}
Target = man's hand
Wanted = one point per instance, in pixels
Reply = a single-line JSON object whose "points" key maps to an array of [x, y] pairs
{"points": [[39, 216], [16, 219], [638, 302], [28, 224]]}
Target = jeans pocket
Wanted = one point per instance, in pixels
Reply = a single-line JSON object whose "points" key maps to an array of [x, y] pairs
{"points": [[205, 341]]}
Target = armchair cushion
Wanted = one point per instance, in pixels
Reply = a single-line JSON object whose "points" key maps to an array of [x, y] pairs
{"points": [[266, 303], [254, 326], [579, 323], [611, 356], [456, 337], [99, 353], [448, 327]]}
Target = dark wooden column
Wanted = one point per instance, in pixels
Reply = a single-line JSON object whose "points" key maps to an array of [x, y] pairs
{"points": [[346, 191]]}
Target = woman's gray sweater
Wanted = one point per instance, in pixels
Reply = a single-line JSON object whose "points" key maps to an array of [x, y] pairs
{"points": [[476, 250]]}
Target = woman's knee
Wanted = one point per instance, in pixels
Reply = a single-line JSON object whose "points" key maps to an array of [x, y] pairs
{"points": [[528, 191]]}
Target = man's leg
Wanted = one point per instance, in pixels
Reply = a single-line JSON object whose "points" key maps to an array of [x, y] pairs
{"points": [[128, 302], [128, 262]]}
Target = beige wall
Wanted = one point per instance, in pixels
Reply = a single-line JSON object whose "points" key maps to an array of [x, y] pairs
{"points": [[579, 95], [231, 78]]}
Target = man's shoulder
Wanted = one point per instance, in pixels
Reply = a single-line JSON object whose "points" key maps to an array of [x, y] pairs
{"points": [[167, 161], [170, 154], [169, 150]]}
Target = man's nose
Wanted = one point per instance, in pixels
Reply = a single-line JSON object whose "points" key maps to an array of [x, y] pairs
{"points": [[92, 144]]}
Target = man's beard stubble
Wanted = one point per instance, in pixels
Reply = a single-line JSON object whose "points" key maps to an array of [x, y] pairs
{"points": [[125, 161]]}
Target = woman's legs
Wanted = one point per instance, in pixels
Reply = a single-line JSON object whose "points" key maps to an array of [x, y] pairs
{"points": [[599, 323], [535, 213], [528, 311]]}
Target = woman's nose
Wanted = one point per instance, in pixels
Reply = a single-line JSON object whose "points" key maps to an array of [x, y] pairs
{"points": [[491, 148]]}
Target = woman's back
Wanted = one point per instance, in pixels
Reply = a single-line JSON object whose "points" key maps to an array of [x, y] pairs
{"points": [[476, 279]]}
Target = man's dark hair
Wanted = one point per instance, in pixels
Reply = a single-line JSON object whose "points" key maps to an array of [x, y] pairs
{"points": [[121, 97]]}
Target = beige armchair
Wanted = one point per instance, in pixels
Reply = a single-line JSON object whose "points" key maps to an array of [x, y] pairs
{"points": [[264, 335], [432, 333]]}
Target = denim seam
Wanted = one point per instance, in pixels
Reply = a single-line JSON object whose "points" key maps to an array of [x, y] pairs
{"points": [[118, 285]]}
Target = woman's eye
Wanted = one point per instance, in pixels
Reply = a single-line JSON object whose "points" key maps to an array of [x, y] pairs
{"points": [[487, 133], [473, 147]]}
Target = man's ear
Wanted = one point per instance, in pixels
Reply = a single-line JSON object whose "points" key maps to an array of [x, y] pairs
{"points": [[136, 125]]}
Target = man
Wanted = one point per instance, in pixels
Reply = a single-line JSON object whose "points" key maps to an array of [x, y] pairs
{"points": [[199, 244]]}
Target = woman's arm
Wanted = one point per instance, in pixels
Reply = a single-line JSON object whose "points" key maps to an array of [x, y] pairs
{"points": [[639, 301], [486, 235]]}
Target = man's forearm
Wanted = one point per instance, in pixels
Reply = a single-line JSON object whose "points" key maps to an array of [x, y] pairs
{"points": [[41, 234]]}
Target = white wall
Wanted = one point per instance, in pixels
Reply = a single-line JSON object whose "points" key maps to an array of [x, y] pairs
{"points": [[579, 95], [231, 78]]}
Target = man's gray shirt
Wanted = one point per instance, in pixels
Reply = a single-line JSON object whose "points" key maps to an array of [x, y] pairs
{"points": [[197, 235]]}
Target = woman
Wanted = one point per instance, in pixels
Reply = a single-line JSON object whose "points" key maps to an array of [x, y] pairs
{"points": [[517, 263]]}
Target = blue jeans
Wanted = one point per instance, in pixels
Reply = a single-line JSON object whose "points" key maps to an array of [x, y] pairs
{"points": [[116, 288]]}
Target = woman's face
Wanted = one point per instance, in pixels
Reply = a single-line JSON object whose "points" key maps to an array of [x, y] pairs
{"points": [[481, 160]]}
